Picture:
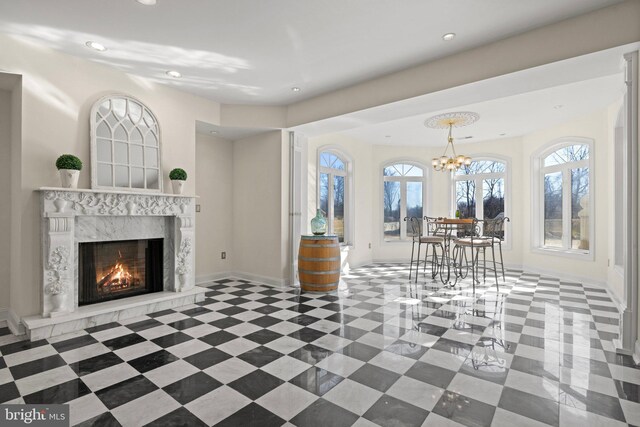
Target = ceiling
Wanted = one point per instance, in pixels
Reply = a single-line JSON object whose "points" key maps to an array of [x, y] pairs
{"points": [[255, 51], [509, 105]]}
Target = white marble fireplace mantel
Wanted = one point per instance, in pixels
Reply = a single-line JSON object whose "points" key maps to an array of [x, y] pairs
{"points": [[70, 216]]}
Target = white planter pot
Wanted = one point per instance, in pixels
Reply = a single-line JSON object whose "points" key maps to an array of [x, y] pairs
{"points": [[69, 178], [178, 186]]}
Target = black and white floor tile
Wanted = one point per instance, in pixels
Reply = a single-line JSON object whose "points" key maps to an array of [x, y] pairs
{"points": [[383, 351]]}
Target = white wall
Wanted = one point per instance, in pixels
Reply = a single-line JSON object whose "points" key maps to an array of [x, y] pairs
{"points": [[214, 222], [5, 214], [57, 93], [615, 274], [260, 170]]}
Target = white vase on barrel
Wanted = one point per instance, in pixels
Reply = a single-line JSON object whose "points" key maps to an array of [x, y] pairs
{"points": [[319, 224]]}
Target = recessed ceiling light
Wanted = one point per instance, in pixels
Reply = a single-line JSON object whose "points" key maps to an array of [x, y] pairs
{"points": [[173, 73], [559, 106], [213, 132], [387, 136], [295, 89], [502, 134], [449, 36], [147, 2], [96, 46]]}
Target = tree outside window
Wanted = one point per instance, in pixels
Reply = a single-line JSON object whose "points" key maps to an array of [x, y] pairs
{"points": [[403, 192], [480, 189]]}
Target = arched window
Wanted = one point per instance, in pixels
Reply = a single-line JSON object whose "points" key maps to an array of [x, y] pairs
{"points": [[564, 204], [125, 145], [403, 195], [333, 191], [480, 189]]}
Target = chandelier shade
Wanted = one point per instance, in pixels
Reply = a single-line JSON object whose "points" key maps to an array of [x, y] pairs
{"points": [[453, 161]]}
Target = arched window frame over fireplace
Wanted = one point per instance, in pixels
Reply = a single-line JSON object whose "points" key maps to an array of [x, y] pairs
{"points": [[125, 145]]}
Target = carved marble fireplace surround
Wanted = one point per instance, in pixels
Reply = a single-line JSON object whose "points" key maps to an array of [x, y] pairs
{"points": [[71, 216]]}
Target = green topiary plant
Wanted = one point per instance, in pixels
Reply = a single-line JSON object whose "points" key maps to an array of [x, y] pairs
{"points": [[69, 161], [178, 174]]}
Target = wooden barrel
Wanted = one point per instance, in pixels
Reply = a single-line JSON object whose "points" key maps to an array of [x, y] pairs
{"points": [[319, 263]]}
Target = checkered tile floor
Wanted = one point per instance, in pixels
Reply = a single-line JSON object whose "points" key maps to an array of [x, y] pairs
{"points": [[381, 352]]}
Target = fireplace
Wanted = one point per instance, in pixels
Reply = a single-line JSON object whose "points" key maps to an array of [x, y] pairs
{"points": [[119, 269]]}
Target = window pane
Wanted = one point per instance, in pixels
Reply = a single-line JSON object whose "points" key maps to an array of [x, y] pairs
{"points": [[570, 153], [465, 198], [338, 207], [411, 170], [338, 164], [391, 211], [391, 171], [414, 202], [122, 176], [580, 208], [104, 150], [329, 160], [325, 159], [324, 193], [136, 155], [151, 157], [553, 209], [120, 133], [493, 197], [137, 177], [482, 166], [105, 175], [152, 179], [121, 152], [135, 111]]}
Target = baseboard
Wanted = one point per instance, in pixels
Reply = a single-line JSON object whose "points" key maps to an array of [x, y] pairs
{"points": [[565, 276], [15, 324], [273, 281], [267, 280], [205, 278]]}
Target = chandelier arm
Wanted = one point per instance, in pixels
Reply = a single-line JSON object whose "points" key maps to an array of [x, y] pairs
{"points": [[450, 138]]}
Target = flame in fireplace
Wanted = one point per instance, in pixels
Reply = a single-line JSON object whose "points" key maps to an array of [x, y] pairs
{"points": [[118, 278], [121, 275]]}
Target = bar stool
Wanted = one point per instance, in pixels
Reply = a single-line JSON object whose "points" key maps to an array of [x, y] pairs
{"points": [[493, 230], [435, 241], [414, 224], [472, 239]]}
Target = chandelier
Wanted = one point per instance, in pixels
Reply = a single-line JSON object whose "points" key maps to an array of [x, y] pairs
{"points": [[453, 161]]}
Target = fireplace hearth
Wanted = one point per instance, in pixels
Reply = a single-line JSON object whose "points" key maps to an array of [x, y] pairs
{"points": [[119, 269]]}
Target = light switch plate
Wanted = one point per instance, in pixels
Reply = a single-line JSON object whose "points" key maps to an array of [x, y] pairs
{"points": [[197, 208]]}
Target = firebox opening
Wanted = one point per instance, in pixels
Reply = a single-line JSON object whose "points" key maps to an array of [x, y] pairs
{"points": [[119, 269]]}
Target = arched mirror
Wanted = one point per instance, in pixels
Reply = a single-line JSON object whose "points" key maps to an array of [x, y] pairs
{"points": [[125, 145]]}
